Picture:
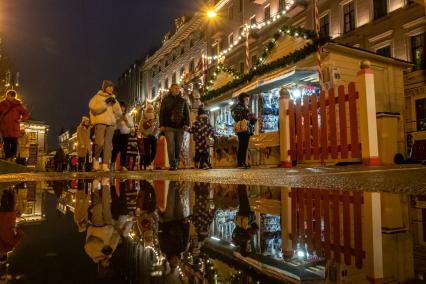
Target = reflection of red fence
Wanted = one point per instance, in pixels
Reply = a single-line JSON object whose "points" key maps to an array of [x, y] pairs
{"points": [[328, 222], [319, 129]]}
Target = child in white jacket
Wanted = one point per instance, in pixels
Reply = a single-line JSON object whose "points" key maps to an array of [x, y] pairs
{"points": [[104, 112]]}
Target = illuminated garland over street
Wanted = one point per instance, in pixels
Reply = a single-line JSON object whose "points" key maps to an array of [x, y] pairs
{"points": [[223, 68], [260, 68]]}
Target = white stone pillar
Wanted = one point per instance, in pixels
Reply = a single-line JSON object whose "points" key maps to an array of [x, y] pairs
{"points": [[284, 128], [287, 246], [372, 236], [367, 115]]}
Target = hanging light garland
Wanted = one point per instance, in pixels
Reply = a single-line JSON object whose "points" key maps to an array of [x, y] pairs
{"points": [[249, 28], [222, 68]]}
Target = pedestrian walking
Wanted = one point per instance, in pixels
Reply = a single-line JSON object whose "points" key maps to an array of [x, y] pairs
{"points": [[244, 127], [203, 133], [84, 148], [121, 136], [149, 129], [12, 113], [104, 113], [174, 117], [59, 160], [132, 150]]}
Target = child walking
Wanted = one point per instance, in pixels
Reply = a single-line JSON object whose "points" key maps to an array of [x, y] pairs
{"points": [[149, 129], [203, 132]]}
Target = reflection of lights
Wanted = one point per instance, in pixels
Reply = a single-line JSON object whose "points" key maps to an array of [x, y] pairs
{"points": [[232, 245], [300, 254], [73, 200], [214, 108], [296, 93], [231, 103], [214, 238]]}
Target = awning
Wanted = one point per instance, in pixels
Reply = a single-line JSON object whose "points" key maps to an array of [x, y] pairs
{"points": [[285, 77]]}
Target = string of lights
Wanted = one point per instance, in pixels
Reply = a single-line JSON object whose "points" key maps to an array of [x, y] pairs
{"points": [[246, 30]]}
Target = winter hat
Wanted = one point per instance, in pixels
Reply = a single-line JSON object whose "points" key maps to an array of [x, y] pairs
{"points": [[11, 93], [242, 96], [201, 111], [149, 112], [106, 84]]}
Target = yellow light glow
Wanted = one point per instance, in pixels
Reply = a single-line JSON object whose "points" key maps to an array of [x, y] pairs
{"points": [[211, 14]]}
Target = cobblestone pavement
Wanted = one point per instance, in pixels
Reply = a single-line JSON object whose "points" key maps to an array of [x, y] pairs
{"points": [[405, 179]]}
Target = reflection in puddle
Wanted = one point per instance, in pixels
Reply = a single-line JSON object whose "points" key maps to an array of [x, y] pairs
{"points": [[138, 231]]}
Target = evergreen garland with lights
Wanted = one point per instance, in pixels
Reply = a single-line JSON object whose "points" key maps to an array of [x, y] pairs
{"points": [[259, 68], [223, 68]]}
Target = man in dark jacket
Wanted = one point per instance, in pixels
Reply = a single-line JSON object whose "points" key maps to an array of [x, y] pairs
{"points": [[174, 116]]}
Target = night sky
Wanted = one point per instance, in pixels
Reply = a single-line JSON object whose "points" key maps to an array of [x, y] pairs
{"points": [[65, 48]]}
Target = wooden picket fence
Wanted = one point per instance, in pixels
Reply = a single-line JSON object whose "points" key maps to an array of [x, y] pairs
{"points": [[329, 222], [319, 126]]}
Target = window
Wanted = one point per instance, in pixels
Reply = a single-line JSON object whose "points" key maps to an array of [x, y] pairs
{"points": [[267, 11], [242, 67], [418, 50], [182, 70], [384, 51], [231, 12], [191, 66], [380, 8], [182, 51], [191, 43], [253, 20], [166, 83], [325, 25], [166, 63], [153, 74], [174, 78], [281, 5], [220, 45], [421, 114], [241, 5], [349, 17], [231, 39], [253, 60], [173, 57], [153, 92]]}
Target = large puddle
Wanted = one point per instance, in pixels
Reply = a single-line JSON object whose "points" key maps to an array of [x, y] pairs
{"points": [[136, 231]]}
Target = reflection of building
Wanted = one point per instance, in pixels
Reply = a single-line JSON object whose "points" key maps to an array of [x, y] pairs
{"points": [[68, 140], [30, 203]]}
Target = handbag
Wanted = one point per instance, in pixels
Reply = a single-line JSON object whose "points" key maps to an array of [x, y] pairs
{"points": [[241, 126]]}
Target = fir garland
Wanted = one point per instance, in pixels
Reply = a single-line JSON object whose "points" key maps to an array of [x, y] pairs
{"points": [[259, 68], [223, 68]]}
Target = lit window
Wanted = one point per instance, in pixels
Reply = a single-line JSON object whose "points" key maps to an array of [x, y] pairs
{"points": [[231, 12], [418, 50], [325, 25], [349, 17], [384, 51], [380, 8], [231, 39], [267, 12]]}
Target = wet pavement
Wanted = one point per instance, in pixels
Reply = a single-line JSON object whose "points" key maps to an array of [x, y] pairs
{"points": [[161, 227], [405, 179]]}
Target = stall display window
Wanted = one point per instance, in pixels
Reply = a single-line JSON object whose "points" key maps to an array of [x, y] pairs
{"points": [[223, 122], [269, 111], [224, 224], [270, 236]]}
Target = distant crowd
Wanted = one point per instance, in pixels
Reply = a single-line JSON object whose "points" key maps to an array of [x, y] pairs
{"points": [[110, 132]]}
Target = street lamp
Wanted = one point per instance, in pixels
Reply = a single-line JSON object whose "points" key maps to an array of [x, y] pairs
{"points": [[211, 14]]}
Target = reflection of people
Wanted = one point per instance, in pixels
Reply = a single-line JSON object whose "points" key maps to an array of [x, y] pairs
{"points": [[104, 233], [10, 235], [82, 202], [173, 230], [245, 120], [245, 221], [202, 214]]}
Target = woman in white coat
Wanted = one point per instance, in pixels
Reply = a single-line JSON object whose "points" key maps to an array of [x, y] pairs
{"points": [[104, 113]]}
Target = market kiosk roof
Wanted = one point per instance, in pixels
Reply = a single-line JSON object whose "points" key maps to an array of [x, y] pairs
{"points": [[283, 78]]}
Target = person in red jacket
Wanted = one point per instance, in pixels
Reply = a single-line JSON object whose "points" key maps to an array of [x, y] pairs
{"points": [[12, 112]]}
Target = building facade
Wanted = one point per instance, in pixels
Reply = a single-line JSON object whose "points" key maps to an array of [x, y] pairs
{"points": [[129, 87]]}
